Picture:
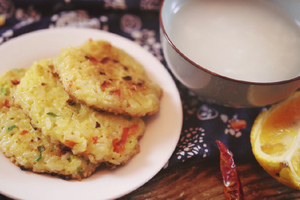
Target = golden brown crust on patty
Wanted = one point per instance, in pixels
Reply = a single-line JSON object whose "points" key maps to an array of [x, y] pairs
{"points": [[107, 78]]}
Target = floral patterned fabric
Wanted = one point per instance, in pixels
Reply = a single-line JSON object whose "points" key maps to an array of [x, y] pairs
{"points": [[138, 20]]}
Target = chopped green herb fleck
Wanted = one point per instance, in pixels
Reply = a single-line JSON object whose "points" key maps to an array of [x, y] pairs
{"points": [[71, 157], [79, 171], [41, 150], [52, 114], [17, 69], [11, 127], [4, 91], [77, 109], [53, 149]]}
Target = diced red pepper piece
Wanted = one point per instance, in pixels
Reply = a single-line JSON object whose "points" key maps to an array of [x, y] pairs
{"points": [[85, 153], [133, 129], [119, 144], [15, 82], [125, 134], [70, 83], [232, 185], [105, 84], [92, 59], [24, 132], [118, 92], [95, 139], [6, 103], [105, 60], [70, 143], [118, 147]]}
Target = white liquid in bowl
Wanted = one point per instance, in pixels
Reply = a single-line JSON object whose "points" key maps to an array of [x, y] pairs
{"points": [[243, 39]]}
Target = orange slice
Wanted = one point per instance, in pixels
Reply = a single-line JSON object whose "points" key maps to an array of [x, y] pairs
{"points": [[275, 140]]}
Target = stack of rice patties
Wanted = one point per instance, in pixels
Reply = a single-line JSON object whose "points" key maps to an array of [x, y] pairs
{"points": [[84, 104]]}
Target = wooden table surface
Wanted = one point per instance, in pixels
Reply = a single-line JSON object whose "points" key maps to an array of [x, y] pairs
{"points": [[204, 181]]}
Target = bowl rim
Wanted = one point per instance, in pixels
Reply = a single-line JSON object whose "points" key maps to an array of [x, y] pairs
{"points": [[161, 25]]}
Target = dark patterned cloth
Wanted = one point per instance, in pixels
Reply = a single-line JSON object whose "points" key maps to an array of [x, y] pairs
{"points": [[138, 20]]}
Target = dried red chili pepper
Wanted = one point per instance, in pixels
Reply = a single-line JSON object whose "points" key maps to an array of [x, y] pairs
{"points": [[232, 185]]}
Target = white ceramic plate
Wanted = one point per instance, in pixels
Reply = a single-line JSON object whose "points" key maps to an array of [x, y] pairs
{"points": [[157, 145]]}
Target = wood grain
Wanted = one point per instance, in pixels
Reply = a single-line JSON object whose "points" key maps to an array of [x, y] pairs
{"points": [[203, 181]]}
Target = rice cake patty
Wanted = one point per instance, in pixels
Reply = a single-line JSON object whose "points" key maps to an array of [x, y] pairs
{"points": [[98, 136], [27, 147], [107, 78]]}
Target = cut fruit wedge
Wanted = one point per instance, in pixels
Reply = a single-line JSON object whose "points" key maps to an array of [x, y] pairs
{"points": [[275, 140]]}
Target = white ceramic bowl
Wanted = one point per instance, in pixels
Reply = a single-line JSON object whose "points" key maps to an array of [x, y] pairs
{"points": [[213, 87]]}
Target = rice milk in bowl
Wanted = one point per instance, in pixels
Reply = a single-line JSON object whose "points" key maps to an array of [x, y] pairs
{"points": [[240, 53]]}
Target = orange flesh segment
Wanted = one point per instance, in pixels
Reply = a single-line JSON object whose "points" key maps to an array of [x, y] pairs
{"points": [[280, 128], [295, 161]]}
